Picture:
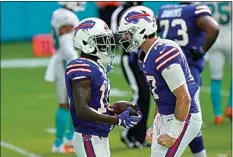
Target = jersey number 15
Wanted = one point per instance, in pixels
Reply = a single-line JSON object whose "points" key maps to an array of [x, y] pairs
{"points": [[104, 90]]}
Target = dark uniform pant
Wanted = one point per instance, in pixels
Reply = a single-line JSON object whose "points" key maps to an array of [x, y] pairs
{"points": [[141, 94]]}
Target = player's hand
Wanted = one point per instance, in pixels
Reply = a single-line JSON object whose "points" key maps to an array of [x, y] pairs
{"points": [[166, 140], [196, 54], [149, 134], [127, 121]]}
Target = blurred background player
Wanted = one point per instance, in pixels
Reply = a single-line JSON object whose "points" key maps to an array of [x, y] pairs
{"points": [[106, 8], [133, 137], [62, 23], [219, 53], [88, 88], [167, 73], [192, 27]]}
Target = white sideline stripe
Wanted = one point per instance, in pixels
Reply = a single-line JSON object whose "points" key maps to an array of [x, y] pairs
{"points": [[50, 130], [43, 62], [207, 90], [37, 62], [17, 149]]}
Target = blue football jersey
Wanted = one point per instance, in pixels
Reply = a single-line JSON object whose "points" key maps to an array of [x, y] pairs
{"points": [[178, 23], [162, 54], [82, 68]]}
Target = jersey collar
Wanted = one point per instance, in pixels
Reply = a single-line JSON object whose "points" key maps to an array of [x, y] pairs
{"points": [[147, 54]]}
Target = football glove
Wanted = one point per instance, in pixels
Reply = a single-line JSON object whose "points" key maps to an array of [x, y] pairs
{"points": [[196, 54], [127, 121]]}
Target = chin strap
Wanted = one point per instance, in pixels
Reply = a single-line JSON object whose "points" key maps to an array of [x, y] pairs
{"points": [[110, 67]]}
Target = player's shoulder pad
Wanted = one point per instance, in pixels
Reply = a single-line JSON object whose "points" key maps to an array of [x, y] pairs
{"points": [[78, 68], [201, 10], [166, 53]]}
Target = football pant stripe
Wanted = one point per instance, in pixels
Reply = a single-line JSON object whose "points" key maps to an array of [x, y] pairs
{"points": [[89, 148], [172, 150]]}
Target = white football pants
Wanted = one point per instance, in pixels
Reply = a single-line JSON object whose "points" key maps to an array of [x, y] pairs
{"points": [[161, 126], [90, 146]]}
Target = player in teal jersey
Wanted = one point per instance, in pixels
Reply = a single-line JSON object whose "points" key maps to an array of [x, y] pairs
{"points": [[62, 23], [219, 53]]}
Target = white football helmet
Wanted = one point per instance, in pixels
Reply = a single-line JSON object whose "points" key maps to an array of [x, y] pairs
{"points": [[75, 6], [93, 37], [136, 24]]}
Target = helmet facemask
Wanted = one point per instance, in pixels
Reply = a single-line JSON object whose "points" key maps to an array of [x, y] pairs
{"points": [[128, 40], [103, 44]]}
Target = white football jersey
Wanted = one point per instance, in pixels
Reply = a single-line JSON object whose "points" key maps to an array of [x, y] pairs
{"points": [[61, 17]]}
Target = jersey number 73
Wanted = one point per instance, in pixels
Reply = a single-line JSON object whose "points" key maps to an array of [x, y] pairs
{"points": [[180, 32]]}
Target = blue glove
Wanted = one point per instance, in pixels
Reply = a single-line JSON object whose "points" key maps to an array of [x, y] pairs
{"points": [[127, 121]]}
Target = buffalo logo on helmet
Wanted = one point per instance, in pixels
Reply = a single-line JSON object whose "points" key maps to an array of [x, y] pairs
{"points": [[84, 26], [106, 27], [133, 17]]}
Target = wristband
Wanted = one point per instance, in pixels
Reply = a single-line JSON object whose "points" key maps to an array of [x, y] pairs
{"points": [[175, 128]]}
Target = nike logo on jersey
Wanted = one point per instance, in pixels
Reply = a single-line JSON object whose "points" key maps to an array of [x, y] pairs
{"points": [[162, 51]]}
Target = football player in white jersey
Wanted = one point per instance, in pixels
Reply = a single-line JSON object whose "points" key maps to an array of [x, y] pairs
{"points": [[62, 23], [220, 53]]}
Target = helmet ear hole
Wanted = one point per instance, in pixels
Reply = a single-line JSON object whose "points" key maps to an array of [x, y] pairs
{"points": [[142, 31], [84, 43]]}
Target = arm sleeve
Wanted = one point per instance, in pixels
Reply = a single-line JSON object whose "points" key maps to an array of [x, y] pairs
{"points": [[174, 76], [67, 47], [202, 10]]}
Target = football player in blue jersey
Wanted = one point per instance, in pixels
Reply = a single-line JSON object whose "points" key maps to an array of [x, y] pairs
{"points": [[194, 30], [166, 70], [88, 90]]}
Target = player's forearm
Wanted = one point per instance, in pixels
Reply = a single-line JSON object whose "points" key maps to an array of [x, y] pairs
{"points": [[81, 98], [181, 112], [182, 108], [210, 38], [175, 79], [87, 113]]}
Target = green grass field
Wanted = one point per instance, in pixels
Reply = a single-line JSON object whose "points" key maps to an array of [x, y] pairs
{"points": [[28, 107]]}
